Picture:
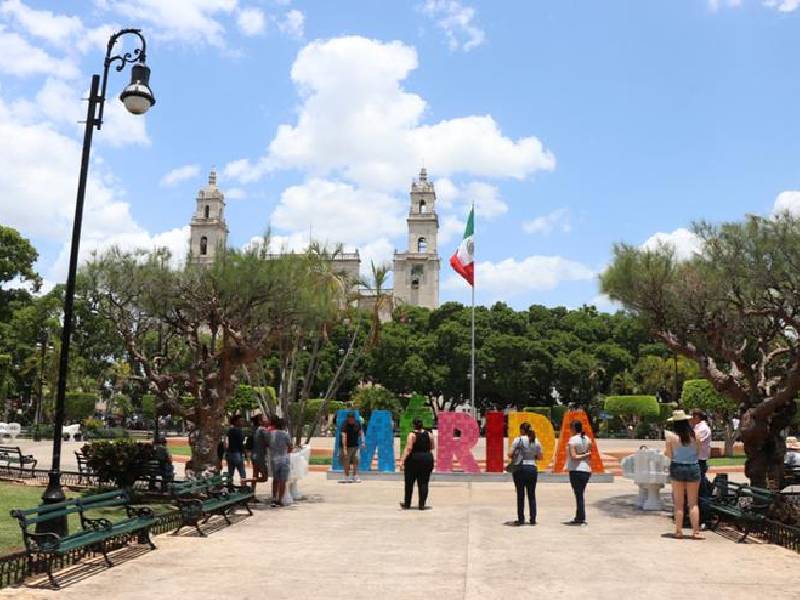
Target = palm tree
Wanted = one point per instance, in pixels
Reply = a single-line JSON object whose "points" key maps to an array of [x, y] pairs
{"points": [[383, 301]]}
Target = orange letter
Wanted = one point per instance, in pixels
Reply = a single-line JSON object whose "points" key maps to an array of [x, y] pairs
{"points": [[566, 433]]}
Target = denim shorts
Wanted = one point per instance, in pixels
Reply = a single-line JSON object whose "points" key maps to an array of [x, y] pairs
{"points": [[684, 472]]}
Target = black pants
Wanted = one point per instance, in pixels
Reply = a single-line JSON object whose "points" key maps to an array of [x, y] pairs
{"points": [[418, 468], [525, 478], [706, 488], [578, 481]]}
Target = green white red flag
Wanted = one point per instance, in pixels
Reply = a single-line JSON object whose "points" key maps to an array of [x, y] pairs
{"points": [[463, 260]]}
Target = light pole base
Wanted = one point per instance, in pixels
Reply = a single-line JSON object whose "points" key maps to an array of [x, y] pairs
{"points": [[53, 495]]}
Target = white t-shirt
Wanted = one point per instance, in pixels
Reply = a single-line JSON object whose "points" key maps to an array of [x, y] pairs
{"points": [[582, 446]]}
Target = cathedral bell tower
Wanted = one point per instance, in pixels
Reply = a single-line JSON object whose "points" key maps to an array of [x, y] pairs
{"points": [[416, 271], [209, 233]]}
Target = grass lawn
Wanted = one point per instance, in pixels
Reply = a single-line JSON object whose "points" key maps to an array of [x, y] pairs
{"points": [[320, 460], [726, 462], [180, 450], [23, 496]]}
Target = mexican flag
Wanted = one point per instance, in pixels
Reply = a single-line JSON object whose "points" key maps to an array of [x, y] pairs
{"points": [[463, 260]]}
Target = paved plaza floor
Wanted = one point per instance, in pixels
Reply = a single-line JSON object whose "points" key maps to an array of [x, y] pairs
{"points": [[352, 541]]}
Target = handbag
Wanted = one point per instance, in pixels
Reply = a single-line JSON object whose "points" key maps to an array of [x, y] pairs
{"points": [[513, 466]]}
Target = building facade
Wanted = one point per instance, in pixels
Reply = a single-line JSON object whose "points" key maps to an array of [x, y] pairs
{"points": [[415, 269]]}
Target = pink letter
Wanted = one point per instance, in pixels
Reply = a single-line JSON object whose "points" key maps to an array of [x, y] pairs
{"points": [[461, 448]]}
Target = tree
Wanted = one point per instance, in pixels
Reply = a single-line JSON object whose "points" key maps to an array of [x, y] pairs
{"points": [[734, 308], [79, 405], [699, 393], [632, 409], [17, 256], [368, 399]]}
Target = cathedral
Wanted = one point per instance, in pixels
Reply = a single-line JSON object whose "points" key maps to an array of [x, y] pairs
{"points": [[415, 269]]}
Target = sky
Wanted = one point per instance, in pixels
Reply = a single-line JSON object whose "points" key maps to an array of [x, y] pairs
{"points": [[571, 125]]}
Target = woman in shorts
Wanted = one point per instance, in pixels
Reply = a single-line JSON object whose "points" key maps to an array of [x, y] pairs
{"points": [[683, 449]]}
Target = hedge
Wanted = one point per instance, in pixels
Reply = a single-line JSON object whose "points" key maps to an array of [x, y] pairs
{"points": [[557, 415], [79, 405], [632, 406]]}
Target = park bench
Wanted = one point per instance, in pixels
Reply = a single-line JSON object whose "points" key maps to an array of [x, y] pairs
{"points": [[157, 473], [94, 532], [200, 499], [744, 505], [791, 475], [12, 456], [84, 470]]}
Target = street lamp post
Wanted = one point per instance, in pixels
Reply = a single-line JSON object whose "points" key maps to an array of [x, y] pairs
{"points": [[137, 98]]}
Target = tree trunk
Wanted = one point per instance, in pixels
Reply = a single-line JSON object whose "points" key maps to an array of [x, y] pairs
{"points": [[764, 445], [209, 429], [729, 436]]}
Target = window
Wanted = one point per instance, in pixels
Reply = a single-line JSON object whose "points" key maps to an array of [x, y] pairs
{"points": [[203, 245], [423, 206], [422, 245], [206, 211], [416, 276]]}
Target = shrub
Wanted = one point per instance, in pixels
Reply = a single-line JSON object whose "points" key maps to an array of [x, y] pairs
{"points": [[539, 410], [244, 400], [632, 409], [367, 399], [79, 405], [120, 462], [557, 415], [149, 406], [312, 408], [112, 433]]}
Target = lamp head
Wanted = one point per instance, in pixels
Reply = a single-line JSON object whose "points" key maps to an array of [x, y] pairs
{"points": [[137, 96]]}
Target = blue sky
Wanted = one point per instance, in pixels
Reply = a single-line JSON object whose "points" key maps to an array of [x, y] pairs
{"points": [[573, 125]]}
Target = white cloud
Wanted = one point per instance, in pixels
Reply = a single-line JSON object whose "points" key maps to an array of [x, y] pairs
{"points": [[783, 5], [56, 29], [293, 24], [486, 197], [604, 304], [179, 174], [788, 201], [336, 212], [558, 219], [451, 228], [457, 21], [352, 95], [251, 21], [511, 277], [685, 243], [18, 57], [189, 21], [715, 5], [235, 193]]}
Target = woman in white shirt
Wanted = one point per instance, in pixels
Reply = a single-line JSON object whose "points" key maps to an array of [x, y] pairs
{"points": [[525, 451], [580, 451]]}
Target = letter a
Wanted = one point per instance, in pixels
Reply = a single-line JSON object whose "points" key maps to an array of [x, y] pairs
{"points": [[566, 433]]}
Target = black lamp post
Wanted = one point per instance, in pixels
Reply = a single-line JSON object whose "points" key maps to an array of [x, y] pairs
{"points": [[137, 98]]}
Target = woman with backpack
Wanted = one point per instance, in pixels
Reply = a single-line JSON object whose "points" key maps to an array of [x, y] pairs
{"points": [[525, 451]]}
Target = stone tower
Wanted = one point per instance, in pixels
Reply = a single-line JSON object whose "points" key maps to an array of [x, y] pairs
{"points": [[208, 229], [416, 271]]}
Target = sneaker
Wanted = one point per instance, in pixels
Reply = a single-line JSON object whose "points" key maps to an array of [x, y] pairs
{"points": [[356, 479]]}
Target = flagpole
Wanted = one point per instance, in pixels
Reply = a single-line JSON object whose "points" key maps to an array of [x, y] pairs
{"points": [[472, 357]]}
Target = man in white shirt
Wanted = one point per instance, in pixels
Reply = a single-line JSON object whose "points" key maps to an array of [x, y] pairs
{"points": [[703, 434]]}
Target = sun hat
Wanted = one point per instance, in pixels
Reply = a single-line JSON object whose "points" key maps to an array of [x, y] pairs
{"points": [[678, 415], [792, 443]]}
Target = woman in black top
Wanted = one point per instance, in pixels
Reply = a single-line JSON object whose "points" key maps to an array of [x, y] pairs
{"points": [[418, 464]]}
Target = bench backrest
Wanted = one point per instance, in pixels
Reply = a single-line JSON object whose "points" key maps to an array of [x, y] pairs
{"points": [[105, 500], [46, 512], [197, 486], [11, 453]]}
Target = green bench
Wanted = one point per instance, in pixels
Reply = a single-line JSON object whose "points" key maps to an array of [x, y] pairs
{"points": [[744, 505], [94, 532], [200, 499], [12, 456]]}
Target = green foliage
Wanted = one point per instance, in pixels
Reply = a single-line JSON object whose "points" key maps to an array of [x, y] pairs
{"points": [[545, 411], [266, 392], [110, 433], [120, 404], [79, 405], [699, 393], [372, 398], [632, 406], [149, 406], [120, 462], [243, 400], [92, 426], [557, 413], [312, 408], [417, 409]]}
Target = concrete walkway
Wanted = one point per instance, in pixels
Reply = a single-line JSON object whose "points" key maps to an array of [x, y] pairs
{"points": [[352, 541]]}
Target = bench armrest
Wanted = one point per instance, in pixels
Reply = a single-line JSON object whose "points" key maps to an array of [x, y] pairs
{"points": [[95, 524], [190, 501], [38, 538], [141, 511]]}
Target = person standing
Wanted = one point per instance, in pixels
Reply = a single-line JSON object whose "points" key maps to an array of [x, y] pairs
{"points": [[418, 465], [280, 446], [525, 451], [579, 447], [234, 449], [258, 454], [352, 440], [702, 432], [683, 449]]}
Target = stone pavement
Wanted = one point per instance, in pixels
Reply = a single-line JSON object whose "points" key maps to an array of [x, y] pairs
{"points": [[352, 541]]}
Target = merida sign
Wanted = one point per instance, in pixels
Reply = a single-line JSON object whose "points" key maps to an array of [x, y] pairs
{"points": [[458, 434]]}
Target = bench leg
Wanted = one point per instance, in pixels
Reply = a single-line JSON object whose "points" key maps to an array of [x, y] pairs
{"points": [[742, 539], [247, 506], [715, 525], [147, 539], [105, 555], [225, 516], [52, 579], [200, 531], [178, 529]]}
